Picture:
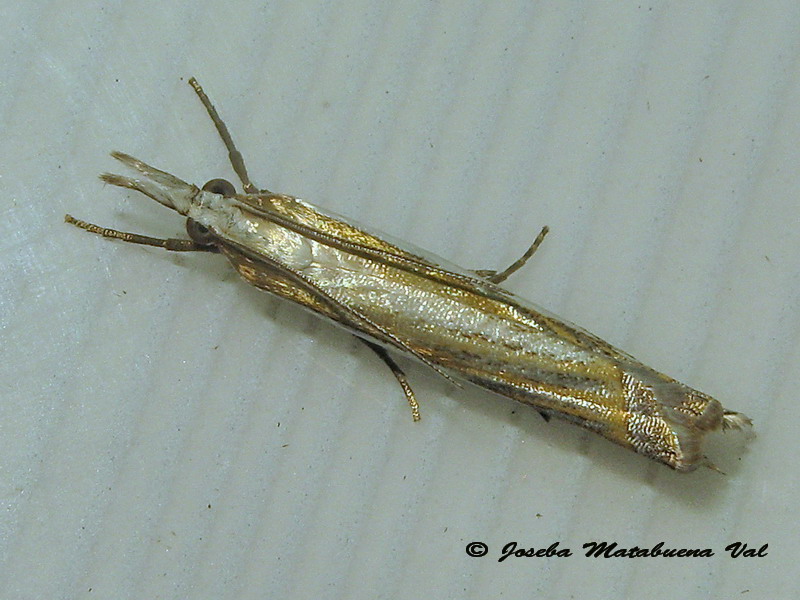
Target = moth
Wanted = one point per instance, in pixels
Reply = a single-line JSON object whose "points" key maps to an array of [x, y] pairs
{"points": [[460, 323]]}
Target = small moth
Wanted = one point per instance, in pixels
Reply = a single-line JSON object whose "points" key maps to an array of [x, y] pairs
{"points": [[458, 322]]}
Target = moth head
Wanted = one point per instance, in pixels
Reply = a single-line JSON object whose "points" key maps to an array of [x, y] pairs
{"points": [[223, 187], [199, 233]]}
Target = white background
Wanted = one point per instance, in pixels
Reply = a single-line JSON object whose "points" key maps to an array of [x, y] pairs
{"points": [[168, 432]]}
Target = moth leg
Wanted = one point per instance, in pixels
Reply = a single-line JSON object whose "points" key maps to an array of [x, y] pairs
{"points": [[498, 277], [237, 161], [708, 464], [399, 374], [172, 244]]}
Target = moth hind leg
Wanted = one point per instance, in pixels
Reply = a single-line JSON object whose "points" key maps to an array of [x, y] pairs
{"points": [[499, 277]]}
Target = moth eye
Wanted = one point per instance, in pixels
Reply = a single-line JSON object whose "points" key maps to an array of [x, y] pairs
{"points": [[222, 187], [200, 234]]}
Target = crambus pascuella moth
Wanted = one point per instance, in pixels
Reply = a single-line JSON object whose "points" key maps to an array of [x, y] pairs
{"points": [[460, 323]]}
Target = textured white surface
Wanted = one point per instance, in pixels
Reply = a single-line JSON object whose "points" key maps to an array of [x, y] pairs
{"points": [[168, 432]]}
